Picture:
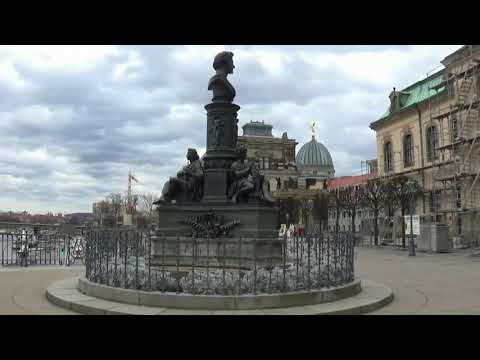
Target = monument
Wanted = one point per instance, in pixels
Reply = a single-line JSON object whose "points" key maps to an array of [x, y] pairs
{"points": [[222, 196], [216, 246]]}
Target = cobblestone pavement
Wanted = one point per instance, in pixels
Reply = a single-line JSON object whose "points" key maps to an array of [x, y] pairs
{"points": [[425, 284]]}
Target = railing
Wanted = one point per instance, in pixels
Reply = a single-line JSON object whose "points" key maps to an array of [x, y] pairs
{"points": [[23, 248], [133, 259], [6, 226]]}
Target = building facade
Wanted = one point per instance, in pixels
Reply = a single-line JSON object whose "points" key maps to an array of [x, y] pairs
{"points": [[430, 132], [275, 156], [289, 175], [363, 214]]}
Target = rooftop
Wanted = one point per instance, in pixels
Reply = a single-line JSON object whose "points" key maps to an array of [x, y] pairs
{"points": [[414, 94], [314, 155], [257, 128], [349, 181]]}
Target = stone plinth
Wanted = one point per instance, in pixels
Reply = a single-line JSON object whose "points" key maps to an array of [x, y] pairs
{"points": [[255, 221], [253, 239], [228, 253], [222, 133]]}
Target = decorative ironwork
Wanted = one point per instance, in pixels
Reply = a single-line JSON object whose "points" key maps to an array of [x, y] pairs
{"points": [[24, 248], [210, 224], [123, 258]]}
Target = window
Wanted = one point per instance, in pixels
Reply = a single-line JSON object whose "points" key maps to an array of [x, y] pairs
{"points": [[459, 197], [459, 225], [434, 201], [407, 150], [432, 143], [454, 128], [411, 210], [388, 156]]}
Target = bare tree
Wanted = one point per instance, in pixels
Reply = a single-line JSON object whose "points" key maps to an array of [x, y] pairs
{"points": [[400, 195], [103, 209], [116, 203], [320, 209], [147, 208], [373, 195], [335, 201], [350, 198]]}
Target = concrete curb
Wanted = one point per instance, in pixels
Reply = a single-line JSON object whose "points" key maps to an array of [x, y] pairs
{"points": [[218, 302], [65, 294]]}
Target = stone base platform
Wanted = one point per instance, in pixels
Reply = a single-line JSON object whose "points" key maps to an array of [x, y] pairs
{"points": [[65, 294], [254, 220]]}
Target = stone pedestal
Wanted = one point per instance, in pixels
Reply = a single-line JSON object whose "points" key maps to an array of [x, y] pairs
{"points": [[251, 241], [222, 133], [215, 187], [228, 253], [254, 221]]}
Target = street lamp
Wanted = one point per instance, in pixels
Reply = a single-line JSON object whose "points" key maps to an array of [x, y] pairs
{"points": [[412, 189]]}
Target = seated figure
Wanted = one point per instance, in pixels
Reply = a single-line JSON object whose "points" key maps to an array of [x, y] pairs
{"points": [[242, 180], [246, 181], [188, 185]]}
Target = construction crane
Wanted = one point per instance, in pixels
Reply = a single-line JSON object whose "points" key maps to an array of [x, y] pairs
{"points": [[131, 199]]}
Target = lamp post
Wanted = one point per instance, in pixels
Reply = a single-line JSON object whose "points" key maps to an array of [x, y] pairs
{"points": [[413, 189]]}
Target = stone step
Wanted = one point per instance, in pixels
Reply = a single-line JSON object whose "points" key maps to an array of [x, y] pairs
{"points": [[65, 294]]}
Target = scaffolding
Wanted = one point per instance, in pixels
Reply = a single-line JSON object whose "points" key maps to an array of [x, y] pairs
{"points": [[456, 160]]}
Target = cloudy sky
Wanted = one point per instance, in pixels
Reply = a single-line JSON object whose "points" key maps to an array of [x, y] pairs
{"points": [[75, 119]]}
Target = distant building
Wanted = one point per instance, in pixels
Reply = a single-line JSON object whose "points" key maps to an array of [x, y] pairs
{"points": [[289, 175], [275, 156], [362, 213]]}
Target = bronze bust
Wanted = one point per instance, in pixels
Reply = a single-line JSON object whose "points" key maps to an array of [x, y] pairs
{"points": [[223, 91]]}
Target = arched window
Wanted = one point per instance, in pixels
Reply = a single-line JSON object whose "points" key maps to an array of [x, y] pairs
{"points": [[432, 143], [388, 156], [408, 150]]}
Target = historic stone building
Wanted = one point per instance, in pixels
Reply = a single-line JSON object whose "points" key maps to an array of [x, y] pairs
{"points": [[275, 156], [431, 132], [286, 172], [299, 176]]}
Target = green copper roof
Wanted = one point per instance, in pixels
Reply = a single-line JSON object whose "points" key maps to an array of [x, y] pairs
{"points": [[418, 92], [314, 154]]}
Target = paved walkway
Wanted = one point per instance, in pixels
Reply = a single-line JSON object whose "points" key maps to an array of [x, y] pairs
{"points": [[22, 290], [425, 284]]}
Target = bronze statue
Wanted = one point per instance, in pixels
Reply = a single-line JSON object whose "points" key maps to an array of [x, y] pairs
{"points": [[223, 91], [217, 130], [243, 182], [188, 185], [247, 184]]}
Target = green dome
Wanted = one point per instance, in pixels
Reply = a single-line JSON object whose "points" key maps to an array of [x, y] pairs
{"points": [[314, 155]]}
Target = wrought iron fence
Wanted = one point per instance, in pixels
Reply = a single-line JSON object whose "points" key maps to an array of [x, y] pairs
{"points": [[24, 248], [139, 260]]}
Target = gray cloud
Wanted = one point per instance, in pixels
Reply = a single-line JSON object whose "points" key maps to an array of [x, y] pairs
{"points": [[71, 129]]}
